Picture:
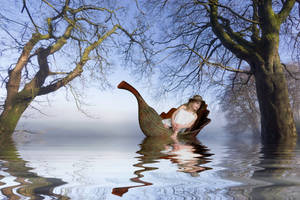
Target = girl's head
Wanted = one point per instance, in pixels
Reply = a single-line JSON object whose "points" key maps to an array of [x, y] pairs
{"points": [[195, 103]]}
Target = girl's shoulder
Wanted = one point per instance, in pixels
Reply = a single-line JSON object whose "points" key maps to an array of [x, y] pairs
{"points": [[183, 106]]}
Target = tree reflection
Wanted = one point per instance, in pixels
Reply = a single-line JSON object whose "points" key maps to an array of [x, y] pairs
{"points": [[188, 154], [267, 170], [278, 166], [30, 184]]}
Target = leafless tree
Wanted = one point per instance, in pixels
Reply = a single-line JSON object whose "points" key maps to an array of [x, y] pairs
{"points": [[204, 41], [240, 104], [55, 42]]}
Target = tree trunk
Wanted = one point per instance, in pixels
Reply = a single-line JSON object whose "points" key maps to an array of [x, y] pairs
{"points": [[10, 117], [277, 119]]}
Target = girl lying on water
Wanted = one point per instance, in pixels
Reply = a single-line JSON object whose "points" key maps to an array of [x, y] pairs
{"points": [[184, 117]]}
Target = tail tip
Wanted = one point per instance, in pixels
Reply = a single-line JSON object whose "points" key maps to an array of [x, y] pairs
{"points": [[121, 84]]}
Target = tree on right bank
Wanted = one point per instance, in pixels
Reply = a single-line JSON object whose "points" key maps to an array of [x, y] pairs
{"points": [[213, 42], [240, 104]]}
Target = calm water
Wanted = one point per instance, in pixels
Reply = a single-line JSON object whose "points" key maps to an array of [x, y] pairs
{"points": [[79, 164]]}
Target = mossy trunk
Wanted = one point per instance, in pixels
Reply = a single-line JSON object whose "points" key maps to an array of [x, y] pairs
{"points": [[10, 117], [277, 119]]}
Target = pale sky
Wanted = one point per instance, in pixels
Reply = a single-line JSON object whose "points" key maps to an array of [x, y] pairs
{"points": [[109, 106]]}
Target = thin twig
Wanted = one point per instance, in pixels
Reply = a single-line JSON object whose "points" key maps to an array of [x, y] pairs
{"points": [[236, 14], [228, 68], [138, 7], [31, 19], [289, 72]]}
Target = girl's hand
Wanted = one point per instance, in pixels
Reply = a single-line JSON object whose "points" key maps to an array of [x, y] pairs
{"points": [[173, 123], [180, 126], [175, 127]]}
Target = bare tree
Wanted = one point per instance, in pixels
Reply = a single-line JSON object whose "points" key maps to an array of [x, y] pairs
{"points": [[294, 89], [240, 104], [207, 40], [80, 34]]}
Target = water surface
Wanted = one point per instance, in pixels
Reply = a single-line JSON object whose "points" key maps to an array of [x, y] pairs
{"points": [[89, 164]]}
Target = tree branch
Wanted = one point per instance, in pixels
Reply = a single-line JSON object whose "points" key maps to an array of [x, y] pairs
{"points": [[223, 36], [58, 73], [79, 66], [236, 14], [268, 19], [204, 60], [62, 40], [83, 8], [236, 36], [43, 72], [255, 31], [31, 19], [130, 35], [285, 10], [138, 7], [13, 84], [289, 72], [10, 35], [62, 13]]}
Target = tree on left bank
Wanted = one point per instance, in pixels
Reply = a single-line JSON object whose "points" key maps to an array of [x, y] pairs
{"points": [[80, 32]]}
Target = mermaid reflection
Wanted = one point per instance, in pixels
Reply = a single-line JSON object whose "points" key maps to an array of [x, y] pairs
{"points": [[189, 155]]}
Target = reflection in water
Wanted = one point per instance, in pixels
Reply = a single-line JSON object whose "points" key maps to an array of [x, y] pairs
{"points": [[25, 184], [266, 170], [188, 154], [243, 168], [278, 167]]}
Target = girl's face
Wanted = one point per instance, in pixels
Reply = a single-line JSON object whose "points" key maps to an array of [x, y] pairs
{"points": [[195, 105]]}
